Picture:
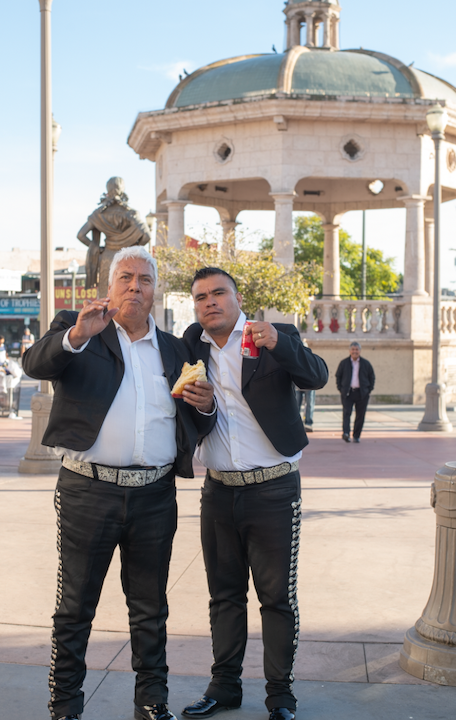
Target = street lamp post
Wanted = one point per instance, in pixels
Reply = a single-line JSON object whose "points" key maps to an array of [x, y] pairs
{"points": [[40, 459], [435, 417], [73, 268], [363, 262], [150, 220]]}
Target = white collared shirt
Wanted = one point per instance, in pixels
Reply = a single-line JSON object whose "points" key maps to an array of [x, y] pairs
{"points": [[355, 373], [237, 442], [140, 426]]}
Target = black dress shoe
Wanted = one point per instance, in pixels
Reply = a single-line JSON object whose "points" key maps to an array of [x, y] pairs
{"points": [[282, 714], [153, 712], [356, 440], [346, 437], [205, 707]]}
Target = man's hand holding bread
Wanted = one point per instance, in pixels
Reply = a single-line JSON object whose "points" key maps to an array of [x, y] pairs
{"points": [[193, 388]]}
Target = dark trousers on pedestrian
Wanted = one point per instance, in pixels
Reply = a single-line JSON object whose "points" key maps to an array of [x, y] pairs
{"points": [[93, 517], [256, 527], [360, 403], [309, 396]]}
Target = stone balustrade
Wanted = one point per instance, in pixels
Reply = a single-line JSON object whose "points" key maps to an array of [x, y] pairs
{"points": [[448, 318], [346, 318]]}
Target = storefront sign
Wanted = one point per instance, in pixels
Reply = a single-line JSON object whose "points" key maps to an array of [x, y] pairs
{"points": [[21, 307], [63, 297], [11, 280]]}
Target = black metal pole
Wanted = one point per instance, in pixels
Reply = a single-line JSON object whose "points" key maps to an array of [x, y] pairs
{"points": [[364, 258]]}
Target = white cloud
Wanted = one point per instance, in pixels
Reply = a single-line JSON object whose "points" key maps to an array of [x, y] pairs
{"points": [[446, 60], [170, 70]]}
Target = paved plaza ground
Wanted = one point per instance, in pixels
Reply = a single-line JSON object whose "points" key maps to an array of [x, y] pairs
{"points": [[366, 566]]}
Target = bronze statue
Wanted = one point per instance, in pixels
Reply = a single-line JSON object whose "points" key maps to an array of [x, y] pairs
{"points": [[122, 227]]}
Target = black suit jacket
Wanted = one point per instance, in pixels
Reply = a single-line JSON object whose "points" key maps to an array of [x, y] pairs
{"points": [[86, 383], [268, 384], [366, 376]]}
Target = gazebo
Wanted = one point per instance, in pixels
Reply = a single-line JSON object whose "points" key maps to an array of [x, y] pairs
{"points": [[326, 130]]}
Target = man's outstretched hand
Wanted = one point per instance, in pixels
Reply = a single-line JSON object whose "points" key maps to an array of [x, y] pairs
{"points": [[92, 319]]}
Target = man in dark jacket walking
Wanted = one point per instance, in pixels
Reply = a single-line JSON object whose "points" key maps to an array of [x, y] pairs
{"points": [[355, 380]]}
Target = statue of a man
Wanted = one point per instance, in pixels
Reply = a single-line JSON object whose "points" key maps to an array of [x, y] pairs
{"points": [[122, 227]]}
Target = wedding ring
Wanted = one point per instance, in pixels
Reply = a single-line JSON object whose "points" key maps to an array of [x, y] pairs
{"points": [[259, 335]]}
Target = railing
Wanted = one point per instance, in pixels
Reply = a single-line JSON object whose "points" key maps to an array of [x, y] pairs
{"points": [[448, 318], [347, 318]]}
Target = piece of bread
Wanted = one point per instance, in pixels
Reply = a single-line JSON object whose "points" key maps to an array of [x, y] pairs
{"points": [[189, 375]]}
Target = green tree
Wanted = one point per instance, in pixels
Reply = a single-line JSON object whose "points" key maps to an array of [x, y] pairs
{"points": [[262, 282], [308, 247]]}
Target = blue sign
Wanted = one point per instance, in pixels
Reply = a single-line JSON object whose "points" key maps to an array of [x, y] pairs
{"points": [[21, 307]]}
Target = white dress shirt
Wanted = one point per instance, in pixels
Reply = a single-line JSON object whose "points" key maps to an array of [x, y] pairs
{"points": [[237, 441], [355, 373], [140, 426]]}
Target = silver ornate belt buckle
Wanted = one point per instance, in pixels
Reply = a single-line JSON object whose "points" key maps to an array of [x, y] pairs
{"points": [[249, 477], [152, 475], [260, 476], [131, 478]]}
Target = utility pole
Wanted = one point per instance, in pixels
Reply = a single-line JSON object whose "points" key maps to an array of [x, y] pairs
{"points": [[363, 261]]}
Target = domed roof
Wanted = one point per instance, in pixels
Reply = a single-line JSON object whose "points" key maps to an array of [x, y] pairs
{"points": [[315, 73]]}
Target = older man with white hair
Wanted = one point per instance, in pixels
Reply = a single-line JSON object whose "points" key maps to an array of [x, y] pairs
{"points": [[123, 437]]}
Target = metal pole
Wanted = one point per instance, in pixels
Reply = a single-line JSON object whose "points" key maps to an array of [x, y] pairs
{"points": [[73, 291], [435, 416], [39, 459], [436, 371], [47, 259], [363, 266]]}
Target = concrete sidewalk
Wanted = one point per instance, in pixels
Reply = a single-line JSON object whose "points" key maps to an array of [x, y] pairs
{"points": [[366, 566]]}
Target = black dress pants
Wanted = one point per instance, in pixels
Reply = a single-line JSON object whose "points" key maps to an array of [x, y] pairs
{"points": [[93, 517], [360, 403], [256, 527]]}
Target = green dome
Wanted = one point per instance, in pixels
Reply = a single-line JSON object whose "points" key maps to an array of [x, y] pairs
{"points": [[231, 79], [315, 73], [348, 73]]}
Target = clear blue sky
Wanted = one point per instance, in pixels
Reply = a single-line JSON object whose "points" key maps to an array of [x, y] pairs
{"points": [[112, 59]]}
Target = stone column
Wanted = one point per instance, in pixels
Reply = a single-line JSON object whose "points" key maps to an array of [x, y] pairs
{"points": [[176, 226], [336, 33], [429, 650], [429, 256], [309, 31], [288, 26], [229, 228], [283, 235], [161, 236], [331, 261], [295, 31], [327, 30], [414, 246], [161, 240]]}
